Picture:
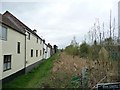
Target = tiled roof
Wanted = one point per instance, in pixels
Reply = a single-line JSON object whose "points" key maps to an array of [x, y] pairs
{"points": [[22, 27], [0, 17], [8, 23]]}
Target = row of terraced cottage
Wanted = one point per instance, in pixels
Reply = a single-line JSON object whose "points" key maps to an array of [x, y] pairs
{"points": [[21, 49]]}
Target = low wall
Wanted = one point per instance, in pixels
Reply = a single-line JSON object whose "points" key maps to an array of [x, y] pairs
{"points": [[31, 67]]}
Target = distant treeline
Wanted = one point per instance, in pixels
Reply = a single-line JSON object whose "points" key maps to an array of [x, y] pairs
{"points": [[94, 51]]}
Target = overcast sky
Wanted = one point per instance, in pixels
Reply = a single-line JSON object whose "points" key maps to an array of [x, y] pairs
{"points": [[57, 21]]}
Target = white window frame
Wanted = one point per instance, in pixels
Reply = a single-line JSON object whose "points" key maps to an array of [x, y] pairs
{"points": [[3, 35]]}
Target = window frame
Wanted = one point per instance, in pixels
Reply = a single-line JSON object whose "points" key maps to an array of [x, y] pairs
{"points": [[28, 36], [43, 51], [7, 62], [36, 53], [1, 35], [37, 40], [40, 52], [40, 41], [18, 47], [32, 53]]}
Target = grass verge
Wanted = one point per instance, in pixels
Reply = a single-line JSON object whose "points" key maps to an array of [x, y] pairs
{"points": [[30, 80]]}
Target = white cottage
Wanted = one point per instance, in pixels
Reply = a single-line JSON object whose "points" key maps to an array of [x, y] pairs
{"points": [[44, 50], [21, 49], [12, 54], [33, 43], [48, 52]]}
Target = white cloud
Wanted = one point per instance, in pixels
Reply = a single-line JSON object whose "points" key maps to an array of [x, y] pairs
{"points": [[59, 20]]}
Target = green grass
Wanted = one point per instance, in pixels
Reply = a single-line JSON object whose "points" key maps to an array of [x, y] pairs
{"points": [[30, 80]]}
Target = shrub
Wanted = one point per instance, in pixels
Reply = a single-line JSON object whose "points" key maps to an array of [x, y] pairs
{"points": [[84, 49], [72, 50], [103, 54]]}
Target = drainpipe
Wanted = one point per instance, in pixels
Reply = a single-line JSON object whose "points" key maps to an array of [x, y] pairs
{"points": [[25, 55], [1, 63], [42, 50]]}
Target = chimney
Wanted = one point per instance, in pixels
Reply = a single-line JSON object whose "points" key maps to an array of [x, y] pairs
{"points": [[43, 40], [49, 45], [35, 30]]}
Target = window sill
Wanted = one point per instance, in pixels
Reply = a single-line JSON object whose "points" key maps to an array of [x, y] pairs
{"points": [[3, 39], [7, 69]]}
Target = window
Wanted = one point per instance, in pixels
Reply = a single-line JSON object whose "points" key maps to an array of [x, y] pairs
{"points": [[40, 52], [31, 52], [36, 53], [43, 51], [7, 62], [3, 33], [37, 40], [40, 41], [0, 32], [28, 36], [18, 47]]}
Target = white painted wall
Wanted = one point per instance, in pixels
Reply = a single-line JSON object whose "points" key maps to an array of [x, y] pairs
{"points": [[9, 47], [48, 53], [44, 46], [32, 44]]}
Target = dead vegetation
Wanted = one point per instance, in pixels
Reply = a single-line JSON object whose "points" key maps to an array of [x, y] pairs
{"points": [[97, 69], [69, 64]]}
